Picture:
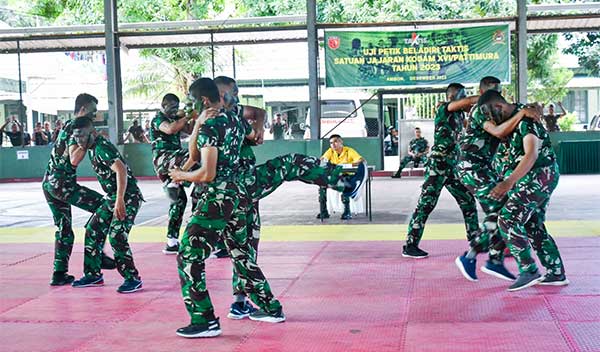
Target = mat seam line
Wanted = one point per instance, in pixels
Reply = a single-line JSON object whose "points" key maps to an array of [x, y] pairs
{"points": [[563, 331], [411, 287]]}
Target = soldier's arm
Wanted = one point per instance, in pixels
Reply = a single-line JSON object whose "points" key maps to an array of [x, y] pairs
{"points": [[119, 168], [531, 145], [206, 172], [257, 118], [506, 128], [4, 126], [173, 127], [463, 104], [76, 154]]}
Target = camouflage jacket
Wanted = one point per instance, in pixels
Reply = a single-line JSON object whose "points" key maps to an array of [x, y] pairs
{"points": [[163, 141], [448, 127], [476, 145], [418, 145], [103, 155], [59, 162]]}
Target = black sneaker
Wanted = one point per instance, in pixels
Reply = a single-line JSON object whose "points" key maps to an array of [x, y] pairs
{"points": [[107, 262], [412, 251], [325, 215], [220, 253], [171, 249], [60, 278], [357, 182], [397, 175], [211, 329], [525, 280], [130, 286], [554, 280], [274, 317], [346, 215], [89, 281], [241, 310]]}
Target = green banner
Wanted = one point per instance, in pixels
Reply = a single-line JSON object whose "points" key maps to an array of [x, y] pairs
{"points": [[416, 58]]}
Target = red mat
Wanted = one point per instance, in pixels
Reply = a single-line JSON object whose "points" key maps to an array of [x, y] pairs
{"points": [[338, 296]]}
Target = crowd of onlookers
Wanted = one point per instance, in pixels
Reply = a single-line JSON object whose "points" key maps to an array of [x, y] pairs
{"points": [[12, 133]]}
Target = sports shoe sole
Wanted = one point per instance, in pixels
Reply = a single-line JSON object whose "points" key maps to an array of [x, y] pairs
{"points": [[462, 270], [207, 333], [237, 316], [169, 252], [89, 285], [131, 291], [496, 274], [529, 284], [269, 319], [564, 282], [414, 256]]}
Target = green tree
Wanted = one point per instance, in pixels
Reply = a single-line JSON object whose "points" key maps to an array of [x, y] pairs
{"points": [[586, 47]]}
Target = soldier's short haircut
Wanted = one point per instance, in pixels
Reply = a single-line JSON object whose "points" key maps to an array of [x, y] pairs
{"points": [[170, 98], [82, 122], [224, 80], [490, 83], [453, 88], [417, 128], [490, 97], [206, 87], [84, 99]]}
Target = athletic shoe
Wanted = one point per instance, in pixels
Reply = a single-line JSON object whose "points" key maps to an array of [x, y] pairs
{"points": [[412, 251], [498, 270], [325, 215], [241, 310], [130, 286], [554, 280], [89, 281], [211, 329], [525, 280], [107, 263], [60, 278], [357, 182], [346, 216], [261, 315], [171, 249], [467, 267], [220, 253], [397, 175]]}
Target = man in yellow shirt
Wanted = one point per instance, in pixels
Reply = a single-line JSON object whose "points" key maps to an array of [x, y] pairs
{"points": [[338, 154]]}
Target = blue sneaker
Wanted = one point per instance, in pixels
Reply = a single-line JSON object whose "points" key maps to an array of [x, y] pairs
{"points": [[241, 310], [498, 270], [130, 286], [357, 182], [467, 267], [89, 281]]}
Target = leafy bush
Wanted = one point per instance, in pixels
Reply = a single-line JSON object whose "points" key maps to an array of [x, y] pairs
{"points": [[566, 122]]}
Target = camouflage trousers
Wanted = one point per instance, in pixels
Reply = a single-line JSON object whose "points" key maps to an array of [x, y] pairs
{"points": [[223, 205], [416, 160], [163, 162], [118, 234], [265, 178], [439, 173], [522, 218], [62, 191], [480, 180]]}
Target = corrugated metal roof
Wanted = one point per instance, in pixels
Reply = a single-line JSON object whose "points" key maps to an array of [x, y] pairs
{"points": [[205, 33]]}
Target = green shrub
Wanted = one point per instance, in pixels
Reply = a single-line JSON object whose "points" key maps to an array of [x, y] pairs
{"points": [[566, 122]]}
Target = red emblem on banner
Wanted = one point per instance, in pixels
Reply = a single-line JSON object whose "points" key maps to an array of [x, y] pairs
{"points": [[333, 42]]}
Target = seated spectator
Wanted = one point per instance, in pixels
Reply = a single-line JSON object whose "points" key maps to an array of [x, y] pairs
{"points": [[15, 134], [390, 142], [418, 148], [551, 119], [338, 154], [137, 132], [39, 136]]}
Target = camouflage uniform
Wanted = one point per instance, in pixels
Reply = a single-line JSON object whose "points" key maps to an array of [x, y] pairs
{"points": [[521, 220], [416, 145], [477, 174], [61, 190], [223, 204], [440, 171], [102, 156], [168, 154]]}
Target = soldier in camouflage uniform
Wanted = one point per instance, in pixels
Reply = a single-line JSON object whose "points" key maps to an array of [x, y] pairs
{"points": [[418, 148], [261, 180], [440, 171], [117, 214], [529, 182], [61, 190], [165, 130], [223, 203]]}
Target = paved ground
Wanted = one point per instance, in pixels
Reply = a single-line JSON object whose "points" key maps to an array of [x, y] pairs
{"points": [[576, 198]]}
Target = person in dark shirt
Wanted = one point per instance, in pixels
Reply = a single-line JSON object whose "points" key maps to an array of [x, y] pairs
{"points": [[57, 128], [278, 127], [551, 119], [137, 132], [15, 135], [39, 136]]}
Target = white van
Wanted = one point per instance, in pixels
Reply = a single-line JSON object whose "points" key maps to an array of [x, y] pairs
{"points": [[333, 111]]}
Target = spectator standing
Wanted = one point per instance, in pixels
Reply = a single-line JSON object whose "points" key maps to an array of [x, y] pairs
{"points": [[551, 119], [137, 132], [278, 127]]}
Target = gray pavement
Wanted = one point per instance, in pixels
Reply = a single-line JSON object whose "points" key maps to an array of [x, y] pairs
{"points": [[576, 198]]}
